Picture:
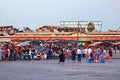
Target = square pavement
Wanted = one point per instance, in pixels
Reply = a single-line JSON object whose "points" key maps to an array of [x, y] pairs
{"points": [[51, 70]]}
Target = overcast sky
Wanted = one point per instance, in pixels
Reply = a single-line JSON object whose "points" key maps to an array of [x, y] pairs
{"points": [[36, 13]]}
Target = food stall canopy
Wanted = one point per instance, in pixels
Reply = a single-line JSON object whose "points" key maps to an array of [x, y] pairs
{"points": [[117, 43], [96, 43]]}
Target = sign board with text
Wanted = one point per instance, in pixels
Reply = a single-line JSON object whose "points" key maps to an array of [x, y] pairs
{"points": [[84, 39]]}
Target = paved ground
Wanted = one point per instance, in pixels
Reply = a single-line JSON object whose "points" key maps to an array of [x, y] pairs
{"points": [[51, 70]]}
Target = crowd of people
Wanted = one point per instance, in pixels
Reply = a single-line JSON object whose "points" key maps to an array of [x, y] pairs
{"points": [[60, 51], [96, 54], [13, 53]]}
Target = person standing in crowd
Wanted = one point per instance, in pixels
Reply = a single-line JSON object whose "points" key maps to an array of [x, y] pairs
{"points": [[19, 51], [7, 53], [45, 56], [15, 54], [110, 53], [38, 54], [86, 52], [3, 53], [98, 53], [50, 53], [33, 53], [64, 52], [79, 53], [89, 52], [27, 56], [68, 54], [30, 53], [11, 53], [0, 54], [104, 52], [83, 52], [61, 56], [73, 54]]}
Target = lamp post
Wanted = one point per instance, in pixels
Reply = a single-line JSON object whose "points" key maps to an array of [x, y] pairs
{"points": [[78, 35]]}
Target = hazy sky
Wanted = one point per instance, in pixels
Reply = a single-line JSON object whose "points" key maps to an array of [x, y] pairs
{"points": [[36, 13]]}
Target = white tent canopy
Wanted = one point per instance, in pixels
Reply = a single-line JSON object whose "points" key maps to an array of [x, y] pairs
{"points": [[23, 43]]}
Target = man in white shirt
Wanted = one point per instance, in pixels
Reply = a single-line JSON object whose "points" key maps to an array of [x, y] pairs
{"points": [[86, 52], [79, 53]]}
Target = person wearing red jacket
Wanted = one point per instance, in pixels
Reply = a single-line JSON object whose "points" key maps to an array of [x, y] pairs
{"points": [[7, 53]]}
